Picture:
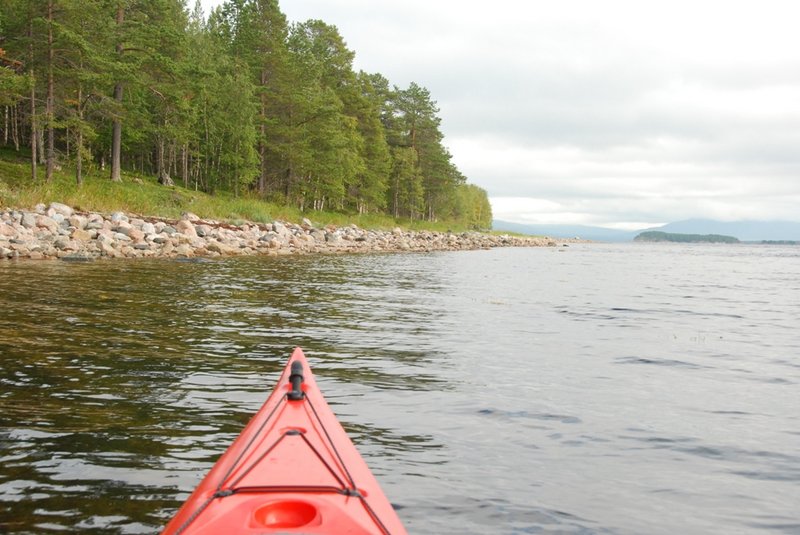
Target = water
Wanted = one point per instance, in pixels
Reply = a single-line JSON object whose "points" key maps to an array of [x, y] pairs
{"points": [[594, 389]]}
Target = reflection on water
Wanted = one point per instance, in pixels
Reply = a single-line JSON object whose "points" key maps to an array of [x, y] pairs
{"points": [[123, 382], [602, 389]]}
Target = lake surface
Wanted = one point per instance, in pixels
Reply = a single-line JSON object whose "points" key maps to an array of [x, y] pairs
{"points": [[592, 389]]}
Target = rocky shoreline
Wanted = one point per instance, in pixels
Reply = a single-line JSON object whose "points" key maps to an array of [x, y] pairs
{"points": [[59, 231]]}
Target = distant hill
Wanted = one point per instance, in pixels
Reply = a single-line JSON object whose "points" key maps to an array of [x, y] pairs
{"points": [[656, 236], [567, 231], [775, 231], [744, 230]]}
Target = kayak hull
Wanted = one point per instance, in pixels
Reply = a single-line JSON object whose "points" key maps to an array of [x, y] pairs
{"points": [[293, 469]]}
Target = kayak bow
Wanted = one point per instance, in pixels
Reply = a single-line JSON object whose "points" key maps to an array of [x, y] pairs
{"points": [[293, 469]]}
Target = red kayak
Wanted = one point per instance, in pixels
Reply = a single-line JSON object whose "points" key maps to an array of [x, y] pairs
{"points": [[292, 470]]}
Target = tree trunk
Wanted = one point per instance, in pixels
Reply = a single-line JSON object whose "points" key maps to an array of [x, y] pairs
{"points": [[15, 126], [79, 140], [50, 102], [34, 133], [162, 166], [185, 164], [40, 145], [262, 149], [116, 130]]}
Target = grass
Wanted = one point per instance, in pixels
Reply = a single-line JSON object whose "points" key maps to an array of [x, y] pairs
{"points": [[143, 195]]}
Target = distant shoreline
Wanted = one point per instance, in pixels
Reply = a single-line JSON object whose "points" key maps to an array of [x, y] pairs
{"points": [[58, 231], [673, 237]]}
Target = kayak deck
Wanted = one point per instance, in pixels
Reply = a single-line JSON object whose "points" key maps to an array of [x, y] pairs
{"points": [[293, 469]]}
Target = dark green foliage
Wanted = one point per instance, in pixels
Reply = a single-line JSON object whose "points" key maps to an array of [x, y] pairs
{"points": [[242, 102], [656, 236]]}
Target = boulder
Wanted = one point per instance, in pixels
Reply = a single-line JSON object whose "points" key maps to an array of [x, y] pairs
{"points": [[65, 244], [28, 220], [7, 230], [45, 222], [123, 227], [81, 235], [136, 235], [184, 250], [77, 221], [60, 209], [95, 222], [186, 228], [220, 248]]}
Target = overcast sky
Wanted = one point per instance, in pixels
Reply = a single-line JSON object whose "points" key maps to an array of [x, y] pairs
{"points": [[622, 113]]}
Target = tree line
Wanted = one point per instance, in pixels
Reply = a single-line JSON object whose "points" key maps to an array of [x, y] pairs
{"points": [[241, 101]]}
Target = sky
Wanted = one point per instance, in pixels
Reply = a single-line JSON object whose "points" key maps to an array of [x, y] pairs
{"points": [[615, 113]]}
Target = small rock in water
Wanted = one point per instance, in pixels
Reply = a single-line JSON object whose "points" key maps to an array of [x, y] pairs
{"points": [[78, 257]]}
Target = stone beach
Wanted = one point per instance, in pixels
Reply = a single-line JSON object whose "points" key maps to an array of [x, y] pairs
{"points": [[59, 231]]}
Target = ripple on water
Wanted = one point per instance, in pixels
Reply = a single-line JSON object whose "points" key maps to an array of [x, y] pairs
{"points": [[608, 389]]}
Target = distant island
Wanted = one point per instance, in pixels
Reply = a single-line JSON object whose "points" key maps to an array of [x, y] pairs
{"points": [[772, 232], [656, 236]]}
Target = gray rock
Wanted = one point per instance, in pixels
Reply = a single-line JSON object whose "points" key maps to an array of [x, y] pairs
{"points": [[333, 238], [123, 227], [61, 209], [64, 244], [116, 217], [268, 236], [28, 220], [149, 228], [40, 208], [168, 229]]}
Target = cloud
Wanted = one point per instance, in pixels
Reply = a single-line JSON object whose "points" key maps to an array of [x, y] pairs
{"points": [[600, 112]]}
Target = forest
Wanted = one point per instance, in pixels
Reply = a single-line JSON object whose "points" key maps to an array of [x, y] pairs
{"points": [[241, 101]]}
